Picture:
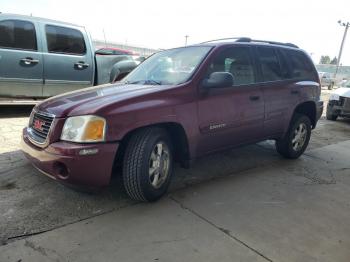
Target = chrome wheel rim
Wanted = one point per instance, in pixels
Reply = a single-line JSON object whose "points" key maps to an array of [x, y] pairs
{"points": [[159, 165], [299, 138]]}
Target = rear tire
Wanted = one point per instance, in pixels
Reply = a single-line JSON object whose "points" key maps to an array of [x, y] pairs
{"points": [[148, 164], [295, 142]]}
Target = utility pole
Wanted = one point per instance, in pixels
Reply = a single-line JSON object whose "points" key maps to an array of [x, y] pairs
{"points": [[346, 25], [186, 36], [104, 36]]}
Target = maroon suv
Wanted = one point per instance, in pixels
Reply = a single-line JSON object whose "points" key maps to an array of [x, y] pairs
{"points": [[178, 105]]}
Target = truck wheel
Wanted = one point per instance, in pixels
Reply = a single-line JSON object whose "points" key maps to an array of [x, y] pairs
{"points": [[148, 164], [294, 143], [330, 115]]}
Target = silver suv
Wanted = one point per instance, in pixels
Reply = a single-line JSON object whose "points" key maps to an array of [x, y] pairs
{"points": [[327, 79]]}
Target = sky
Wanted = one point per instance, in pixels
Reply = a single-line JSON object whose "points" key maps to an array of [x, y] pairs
{"points": [[312, 25]]}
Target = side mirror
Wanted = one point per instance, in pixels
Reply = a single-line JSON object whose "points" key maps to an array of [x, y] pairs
{"points": [[218, 80], [141, 59]]}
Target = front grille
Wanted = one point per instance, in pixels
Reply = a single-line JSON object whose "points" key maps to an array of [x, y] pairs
{"points": [[39, 126], [345, 102], [341, 101]]}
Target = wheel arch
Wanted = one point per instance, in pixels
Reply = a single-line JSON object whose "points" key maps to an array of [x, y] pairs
{"points": [[121, 69], [177, 135], [307, 108]]}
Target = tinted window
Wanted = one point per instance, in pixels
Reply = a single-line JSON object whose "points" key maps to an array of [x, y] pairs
{"points": [[270, 65], [65, 40], [283, 64], [237, 61], [17, 34], [301, 67]]}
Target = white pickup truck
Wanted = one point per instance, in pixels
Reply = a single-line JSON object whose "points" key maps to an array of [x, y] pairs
{"points": [[339, 102]]}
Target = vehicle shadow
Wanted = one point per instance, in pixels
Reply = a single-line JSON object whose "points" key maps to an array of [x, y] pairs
{"points": [[344, 120], [14, 111]]}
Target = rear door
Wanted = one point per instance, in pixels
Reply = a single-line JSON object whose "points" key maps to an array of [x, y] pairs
{"points": [[21, 62], [303, 74], [68, 60], [280, 94], [232, 115]]}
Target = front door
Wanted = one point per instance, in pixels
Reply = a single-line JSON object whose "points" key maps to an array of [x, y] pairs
{"points": [[21, 63], [232, 115], [69, 63]]}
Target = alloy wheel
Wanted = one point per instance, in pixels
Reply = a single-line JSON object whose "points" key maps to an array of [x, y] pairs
{"points": [[299, 138], [159, 165]]}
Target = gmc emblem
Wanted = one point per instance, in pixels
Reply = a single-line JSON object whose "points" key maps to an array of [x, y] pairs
{"points": [[38, 124]]}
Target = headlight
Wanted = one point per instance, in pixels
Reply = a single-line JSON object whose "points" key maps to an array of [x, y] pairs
{"points": [[334, 97], [85, 129], [31, 118]]}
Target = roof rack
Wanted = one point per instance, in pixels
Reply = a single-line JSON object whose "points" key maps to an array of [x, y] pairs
{"points": [[249, 40], [223, 39]]}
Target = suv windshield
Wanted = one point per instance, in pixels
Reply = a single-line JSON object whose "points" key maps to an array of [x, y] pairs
{"points": [[170, 67]]}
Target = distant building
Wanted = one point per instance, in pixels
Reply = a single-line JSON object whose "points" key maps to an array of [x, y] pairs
{"points": [[343, 72]]}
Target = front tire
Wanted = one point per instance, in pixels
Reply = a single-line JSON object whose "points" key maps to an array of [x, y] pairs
{"points": [[330, 115], [295, 142], [330, 86], [148, 164]]}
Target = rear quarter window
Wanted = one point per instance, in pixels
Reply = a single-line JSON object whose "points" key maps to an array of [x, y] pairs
{"points": [[301, 67], [65, 40]]}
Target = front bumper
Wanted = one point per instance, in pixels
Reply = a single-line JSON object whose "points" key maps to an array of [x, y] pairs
{"points": [[63, 161], [339, 108]]}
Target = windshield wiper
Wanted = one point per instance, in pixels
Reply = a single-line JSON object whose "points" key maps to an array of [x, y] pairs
{"points": [[144, 82]]}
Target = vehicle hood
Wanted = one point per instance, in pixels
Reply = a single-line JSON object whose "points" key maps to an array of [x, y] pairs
{"points": [[342, 91], [90, 100]]}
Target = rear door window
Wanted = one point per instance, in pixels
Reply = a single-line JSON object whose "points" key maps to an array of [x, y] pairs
{"points": [[301, 67], [65, 40], [285, 71], [18, 34], [270, 64]]}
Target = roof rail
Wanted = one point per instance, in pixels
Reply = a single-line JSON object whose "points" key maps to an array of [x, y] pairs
{"points": [[222, 39], [248, 40]]}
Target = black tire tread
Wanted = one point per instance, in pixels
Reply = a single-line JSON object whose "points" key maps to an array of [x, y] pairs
{"points": [[330, 116], [132, 163], [282, 145]]}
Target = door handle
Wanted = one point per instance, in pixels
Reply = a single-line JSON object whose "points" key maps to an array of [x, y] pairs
{"points": [[29, 61], [81, 65], [254, 98], [294, 92]]}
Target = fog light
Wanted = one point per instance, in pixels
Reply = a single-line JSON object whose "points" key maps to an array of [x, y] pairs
{"points": [[85, 152], [61, 170]]}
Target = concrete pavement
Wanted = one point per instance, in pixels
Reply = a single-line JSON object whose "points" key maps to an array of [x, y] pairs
{"points": [[285, 211]]}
